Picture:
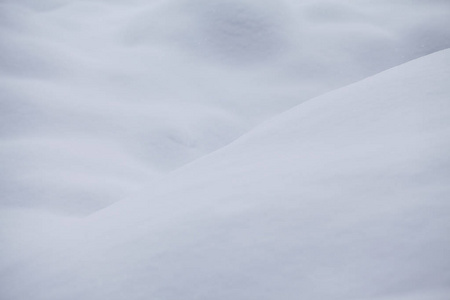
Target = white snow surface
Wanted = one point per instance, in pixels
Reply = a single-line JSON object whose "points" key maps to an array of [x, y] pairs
{"points": [[201, 149], [345, 196], [99, 97]]}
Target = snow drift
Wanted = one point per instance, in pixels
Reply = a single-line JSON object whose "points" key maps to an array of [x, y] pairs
{"points": [[98, 97], [343, 197]]}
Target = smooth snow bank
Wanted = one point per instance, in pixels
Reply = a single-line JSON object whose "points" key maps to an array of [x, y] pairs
{"points": [[343, 197], [97, 97]]}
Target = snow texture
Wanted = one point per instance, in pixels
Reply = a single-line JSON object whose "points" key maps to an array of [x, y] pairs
{"points": [[224, 149], [98, 97], [343, 197]]}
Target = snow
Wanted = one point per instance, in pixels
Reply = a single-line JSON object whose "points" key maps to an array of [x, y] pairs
{"points": [[201, 149], [148, 86], [342, 197]]}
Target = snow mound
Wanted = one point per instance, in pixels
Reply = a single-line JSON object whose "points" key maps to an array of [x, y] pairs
{"points": [[152, 85], [343, 197]]}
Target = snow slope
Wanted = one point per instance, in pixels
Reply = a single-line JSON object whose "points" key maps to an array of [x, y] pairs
{"points": [[343, 197], [98, 97]]}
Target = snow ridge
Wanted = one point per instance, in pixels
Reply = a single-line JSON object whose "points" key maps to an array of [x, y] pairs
{"points": [[343, 197]]}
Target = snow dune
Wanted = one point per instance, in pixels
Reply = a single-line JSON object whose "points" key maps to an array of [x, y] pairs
{"points": [[342, 197], [98, 97]]}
